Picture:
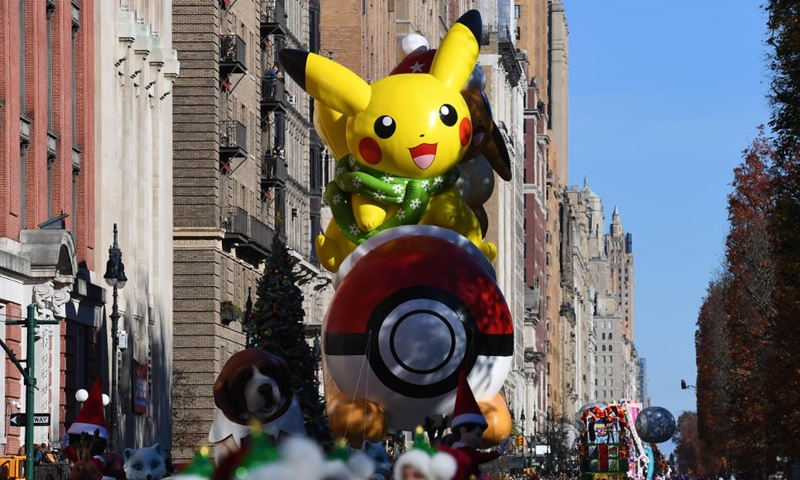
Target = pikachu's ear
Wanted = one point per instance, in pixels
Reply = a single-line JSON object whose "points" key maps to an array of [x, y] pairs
{"points": [[457, 55], [327, 81]]}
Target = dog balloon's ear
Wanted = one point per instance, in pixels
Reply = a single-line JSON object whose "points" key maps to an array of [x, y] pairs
{"points": [[228, 386]]}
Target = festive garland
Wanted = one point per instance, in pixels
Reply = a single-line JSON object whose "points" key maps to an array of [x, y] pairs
{"points": [[611, 414], [411, 194]]}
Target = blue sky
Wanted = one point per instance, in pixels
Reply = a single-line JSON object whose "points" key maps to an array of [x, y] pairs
{"points": [[664, 96]]}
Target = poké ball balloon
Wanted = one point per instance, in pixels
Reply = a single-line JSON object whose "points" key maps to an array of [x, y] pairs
{"points": [[414, 306], [655, 425]]}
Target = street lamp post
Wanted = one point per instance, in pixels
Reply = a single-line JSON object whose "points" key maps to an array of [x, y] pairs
{"points": [[522, 420], [532, 443], [115, 278]]}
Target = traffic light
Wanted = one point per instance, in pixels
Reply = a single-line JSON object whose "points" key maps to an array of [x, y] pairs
{"points": [[519, 440]]}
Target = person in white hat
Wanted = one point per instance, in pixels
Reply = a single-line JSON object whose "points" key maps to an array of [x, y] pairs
{"points": [[423, 462]]}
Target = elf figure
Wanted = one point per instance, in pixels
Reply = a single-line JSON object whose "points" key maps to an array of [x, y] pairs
{"points": [[88, 438], [467, 429]]}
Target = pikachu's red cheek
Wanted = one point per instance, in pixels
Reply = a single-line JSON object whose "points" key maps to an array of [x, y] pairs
{"points": [[465, 131], [370, 150]]}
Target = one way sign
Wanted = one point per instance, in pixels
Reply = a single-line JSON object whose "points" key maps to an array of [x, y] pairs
{"points": [[39, 419]]}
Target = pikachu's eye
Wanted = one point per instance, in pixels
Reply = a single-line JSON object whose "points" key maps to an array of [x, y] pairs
{"points": [[448, 114], [385, 126]]}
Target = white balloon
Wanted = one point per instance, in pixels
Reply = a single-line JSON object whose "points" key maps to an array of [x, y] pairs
{"points": [[81, 395]]}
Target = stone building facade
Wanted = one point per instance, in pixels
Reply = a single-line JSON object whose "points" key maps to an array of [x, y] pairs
{"points": [[47, 207], [602, 363], [247, 166], [135, 68]]}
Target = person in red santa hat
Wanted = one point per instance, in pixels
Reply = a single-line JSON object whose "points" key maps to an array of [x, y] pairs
{"points": [[88, 437], [467, 429]]}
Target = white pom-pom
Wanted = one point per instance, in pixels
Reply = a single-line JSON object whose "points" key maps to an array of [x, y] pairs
{"points": [[81, 395], [301, 450], [415, 458], [443, 466], [336, 470], [303, 455], [361, 465], [413, 42], [106, 400]]}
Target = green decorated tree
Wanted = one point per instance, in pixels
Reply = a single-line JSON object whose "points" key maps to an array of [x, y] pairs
{"points": [[276, 325]]}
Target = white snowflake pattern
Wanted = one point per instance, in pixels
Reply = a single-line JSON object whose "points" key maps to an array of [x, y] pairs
{"points": [[340, 170], [337, 198], [415, 204], [354, 230], [426, 185], [398, 189], [387, 178], [437, 182], [356, 182], [356, 168], [399, 199], [380, 196], [401, 214]]}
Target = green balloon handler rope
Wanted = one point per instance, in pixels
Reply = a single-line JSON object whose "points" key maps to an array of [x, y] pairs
{"points": [[411, 194]]}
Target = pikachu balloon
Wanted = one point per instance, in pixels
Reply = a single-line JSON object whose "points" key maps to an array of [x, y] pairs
{"points": [[398, 142]]}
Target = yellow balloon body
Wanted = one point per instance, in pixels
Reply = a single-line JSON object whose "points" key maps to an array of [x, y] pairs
{"points": [[413, 126], [499, 419]]}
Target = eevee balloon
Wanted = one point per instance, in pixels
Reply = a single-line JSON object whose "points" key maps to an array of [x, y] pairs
{"points": [[398, 142]]}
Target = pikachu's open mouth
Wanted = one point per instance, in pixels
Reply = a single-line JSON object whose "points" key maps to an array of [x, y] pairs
{"points": [[423, 155]]}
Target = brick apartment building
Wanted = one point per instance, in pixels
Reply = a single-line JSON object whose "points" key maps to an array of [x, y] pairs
{"points": [[247, 166], [47, 206]]}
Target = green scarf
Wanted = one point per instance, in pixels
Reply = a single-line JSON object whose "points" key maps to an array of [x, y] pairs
{"points": [[412, 194]]}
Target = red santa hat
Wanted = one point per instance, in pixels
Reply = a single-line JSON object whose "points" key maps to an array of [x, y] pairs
{"points": [[91, 418], [467, 410]]}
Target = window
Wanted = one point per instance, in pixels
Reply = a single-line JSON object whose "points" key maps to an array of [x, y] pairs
{"points": [[74, 61], [609, 336], [603, 337], [517, 12], [75, 173], [50, 12], [611, 348], [22, 176], [604, 348], [51, 160]]}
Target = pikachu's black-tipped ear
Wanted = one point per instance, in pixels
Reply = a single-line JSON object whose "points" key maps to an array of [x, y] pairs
{"points": [[472, 20], [293, 63], [458, 53], [326, 81]]}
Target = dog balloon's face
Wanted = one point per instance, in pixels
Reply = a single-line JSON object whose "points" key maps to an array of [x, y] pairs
{"points": [[262, 396], [253, 384]]}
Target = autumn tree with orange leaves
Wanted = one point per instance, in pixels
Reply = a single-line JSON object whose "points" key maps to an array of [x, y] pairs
{"points": [[712, 345], [750, 308], [783, 361]]}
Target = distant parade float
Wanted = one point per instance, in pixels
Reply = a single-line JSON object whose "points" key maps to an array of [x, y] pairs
{"points": [[618, 440]]}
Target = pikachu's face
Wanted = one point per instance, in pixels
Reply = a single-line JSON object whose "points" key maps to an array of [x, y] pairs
{"points": [[412, 127]]}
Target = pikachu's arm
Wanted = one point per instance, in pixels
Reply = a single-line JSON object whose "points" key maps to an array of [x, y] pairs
{"points": [[369, 212]]}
